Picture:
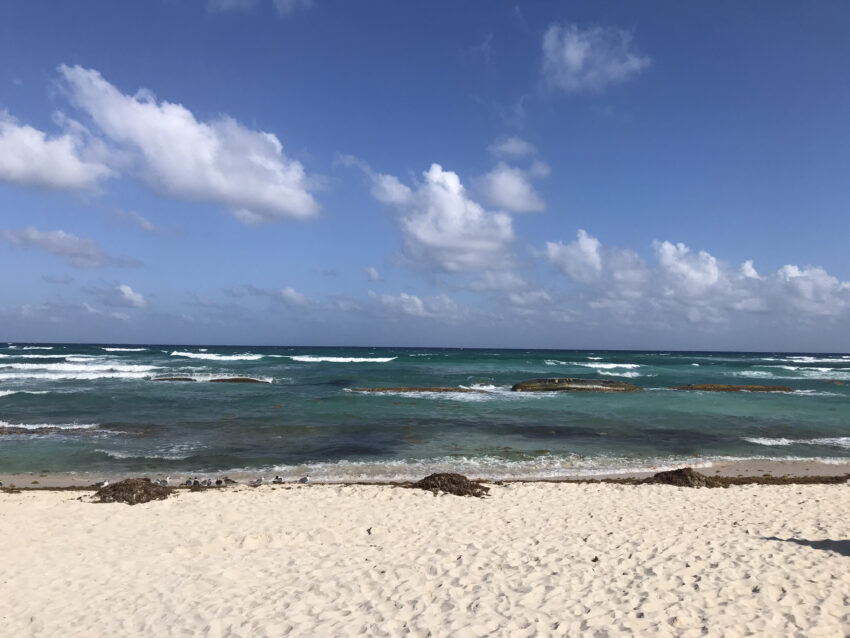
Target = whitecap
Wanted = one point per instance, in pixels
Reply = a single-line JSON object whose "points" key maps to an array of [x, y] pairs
{"points": [[48, 426], [839, 441], [118, 454], [217, 357], [629, 375], [7, 393], [124, 349], [316, 359], [74, 367]]}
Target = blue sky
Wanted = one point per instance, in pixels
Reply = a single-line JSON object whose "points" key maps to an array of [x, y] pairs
{"points": [[564, 175]]}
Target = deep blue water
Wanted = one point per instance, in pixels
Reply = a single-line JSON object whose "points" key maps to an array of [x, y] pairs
{"points": [[93, 408]]}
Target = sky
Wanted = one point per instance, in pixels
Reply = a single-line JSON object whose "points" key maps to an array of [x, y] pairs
{"points": [[596, 175]]}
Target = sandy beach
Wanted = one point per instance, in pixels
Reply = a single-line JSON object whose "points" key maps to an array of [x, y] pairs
{"points": [[531, 559]]}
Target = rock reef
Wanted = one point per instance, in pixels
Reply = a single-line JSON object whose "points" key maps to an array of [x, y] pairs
{"points": [[567, 384], [719, 387]]}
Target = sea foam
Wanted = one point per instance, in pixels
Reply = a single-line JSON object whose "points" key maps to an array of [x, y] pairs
{"points": [[315, 359], [210, 356]]}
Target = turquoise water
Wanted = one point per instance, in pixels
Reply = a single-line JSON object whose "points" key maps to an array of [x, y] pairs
{"points": [[93, 408]]}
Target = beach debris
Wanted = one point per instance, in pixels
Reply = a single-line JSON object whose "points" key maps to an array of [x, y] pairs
{"points": [[569, 384], [722, 387], [451, 483], [683, 477], [304, 479], [132, 491]]}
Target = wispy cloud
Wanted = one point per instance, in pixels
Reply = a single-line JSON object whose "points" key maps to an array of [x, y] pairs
{"points": [[283, 7], [77, 251], [579, 60]]}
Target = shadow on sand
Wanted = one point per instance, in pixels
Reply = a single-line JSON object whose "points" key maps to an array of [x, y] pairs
{"points": [[840, 547]]}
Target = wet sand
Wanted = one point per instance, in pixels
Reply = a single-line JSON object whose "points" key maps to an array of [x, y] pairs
{"points": [[754, 468]]}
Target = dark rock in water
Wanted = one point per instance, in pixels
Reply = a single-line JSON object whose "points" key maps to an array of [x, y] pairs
{"points": [[173, 379], [238, 380], [132, 491], [416, 389], [721, 387], [450, 483], [566, 384], [684, 477]]}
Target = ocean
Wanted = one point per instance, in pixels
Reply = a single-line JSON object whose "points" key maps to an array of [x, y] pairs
{"points": [[98, 410]]}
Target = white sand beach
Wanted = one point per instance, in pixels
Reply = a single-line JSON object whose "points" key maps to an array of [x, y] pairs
{"points": [[532, 559]]}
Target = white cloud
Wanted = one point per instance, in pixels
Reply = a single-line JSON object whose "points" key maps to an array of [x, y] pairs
{"points": [[577, 60], [439, 306], [77, 251], [579, 260], [748, 270], [510, 188], [372, 274], [130, 297], [512, 147], [442, 226], [30, 158], [530, 298], [292, 297], [288, 295], [691, 274], [694, 286], [218, 161], [283, 7]]}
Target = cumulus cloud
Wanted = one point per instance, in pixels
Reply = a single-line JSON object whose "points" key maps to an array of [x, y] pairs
{"points": [[512, 147], [577, 60], [30, 157], [129, 297], [442, 226], [219, 161], [696, 286], [510, 189], [372, 274], [77, 251], [579, 260], [439, 306]]}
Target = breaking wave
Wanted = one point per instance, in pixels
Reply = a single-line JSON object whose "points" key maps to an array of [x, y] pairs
{"points": [[210, 356], [314, 359]]}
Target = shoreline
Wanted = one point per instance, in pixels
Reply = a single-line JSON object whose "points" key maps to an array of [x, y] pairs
{"points": [[780, 470]]}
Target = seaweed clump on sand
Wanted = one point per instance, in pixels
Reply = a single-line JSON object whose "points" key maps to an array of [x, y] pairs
{"points": [[132, 491], [451, 483], [683, 477]]}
